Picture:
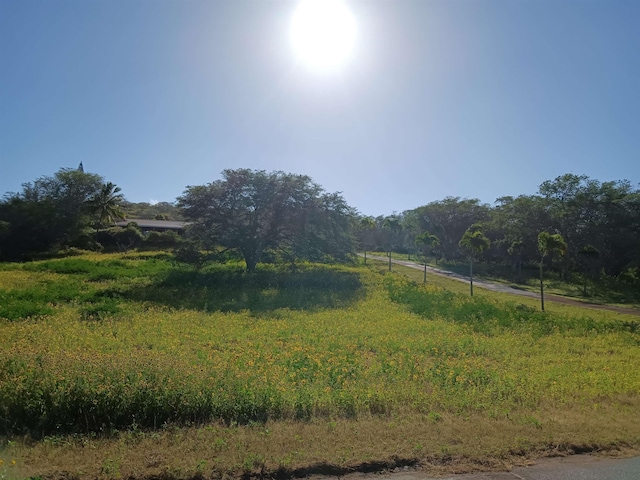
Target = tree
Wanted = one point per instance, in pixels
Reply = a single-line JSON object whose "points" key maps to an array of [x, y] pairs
{"points": [[255, 211], [473, 243], [366, 227], [107, 205], [50, 213], [549, 245], [515, 224], [392, 225], [426, 243], [515, 251], [586, 211], [127, 238], [589, 256], [156, 211], [449, 219]]}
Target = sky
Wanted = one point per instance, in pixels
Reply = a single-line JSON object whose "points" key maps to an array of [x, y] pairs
{"points": [[463, 98]]}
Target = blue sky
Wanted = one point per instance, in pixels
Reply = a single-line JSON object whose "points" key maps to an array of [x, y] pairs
{"points": [[469, 98]]}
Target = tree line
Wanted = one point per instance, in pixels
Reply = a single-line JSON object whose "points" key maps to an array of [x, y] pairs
{"points": [[73, 209], [275, 216], [255, 215], [598, 221]]}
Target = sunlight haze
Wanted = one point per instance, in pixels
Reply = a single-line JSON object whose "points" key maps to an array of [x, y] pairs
{"points": [[323, 33], [403, 103]]}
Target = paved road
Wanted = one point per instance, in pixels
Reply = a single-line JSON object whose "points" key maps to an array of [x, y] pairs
{"points": [[497, 287], [575, 467]]}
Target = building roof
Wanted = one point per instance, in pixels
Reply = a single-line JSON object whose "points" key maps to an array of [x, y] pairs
{"points": [[154, 224]]}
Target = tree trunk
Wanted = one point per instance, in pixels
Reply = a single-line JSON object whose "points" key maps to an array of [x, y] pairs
{"points": [[471, 276], [541, 289], [389, 260], [425, 272], [365, 257], [251, 259], [251, 264]]}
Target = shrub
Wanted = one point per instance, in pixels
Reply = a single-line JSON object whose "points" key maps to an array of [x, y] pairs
{"points": [[162, 240]]}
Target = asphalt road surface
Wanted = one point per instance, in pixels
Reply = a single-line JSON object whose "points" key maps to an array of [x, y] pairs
{"points": [[575, 467]]}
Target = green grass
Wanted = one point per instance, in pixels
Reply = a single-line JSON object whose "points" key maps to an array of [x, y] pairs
{"points": [[141, 343], [602, 292], [493, 318]]}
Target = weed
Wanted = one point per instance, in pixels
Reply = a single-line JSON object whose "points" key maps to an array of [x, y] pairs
{"points": [[111, 468], [176, 347]]}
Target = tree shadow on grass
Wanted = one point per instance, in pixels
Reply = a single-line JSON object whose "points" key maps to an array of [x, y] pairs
{"points": [[259, 292]]}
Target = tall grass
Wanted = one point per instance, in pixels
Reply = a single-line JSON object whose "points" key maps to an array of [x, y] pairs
{"points": [[167, 345], [492, 318]]}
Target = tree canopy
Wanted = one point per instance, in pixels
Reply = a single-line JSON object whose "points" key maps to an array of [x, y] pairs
{"points": [[51, 212], [271, 216], [284, 214], [106, 204], [549, 244], [474, 243]]}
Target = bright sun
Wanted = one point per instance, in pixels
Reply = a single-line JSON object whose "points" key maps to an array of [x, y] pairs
{"points": [[323, 33]]}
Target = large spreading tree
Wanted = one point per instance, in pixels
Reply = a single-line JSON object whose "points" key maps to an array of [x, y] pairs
{"points": [[254, 212]]}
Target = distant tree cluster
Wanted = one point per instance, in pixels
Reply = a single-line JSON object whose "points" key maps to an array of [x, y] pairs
{"points": [[75, 209], [261, 216], [51, 213], [598, 221], [152, 211]]}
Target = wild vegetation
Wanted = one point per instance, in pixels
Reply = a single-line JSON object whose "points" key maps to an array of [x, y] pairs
{"points": [[598, 221], [139, 343], [226, 351], [152, 211], [273, 217]]}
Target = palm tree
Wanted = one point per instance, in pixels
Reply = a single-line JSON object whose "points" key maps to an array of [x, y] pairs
{"points": [[107, 204], [426, 242], [366, 226], [474, 242], [392, 224], [548, 245]]}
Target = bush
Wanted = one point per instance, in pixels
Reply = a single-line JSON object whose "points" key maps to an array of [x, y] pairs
{"points": [[162, 240], [190, 254], [120, 238]]}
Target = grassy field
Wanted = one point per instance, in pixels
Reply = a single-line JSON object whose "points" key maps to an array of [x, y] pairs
{"points": [[602, 292], [117, 366]]}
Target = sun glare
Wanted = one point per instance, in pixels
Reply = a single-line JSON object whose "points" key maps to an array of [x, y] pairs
{"points": [[323, 33]]}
